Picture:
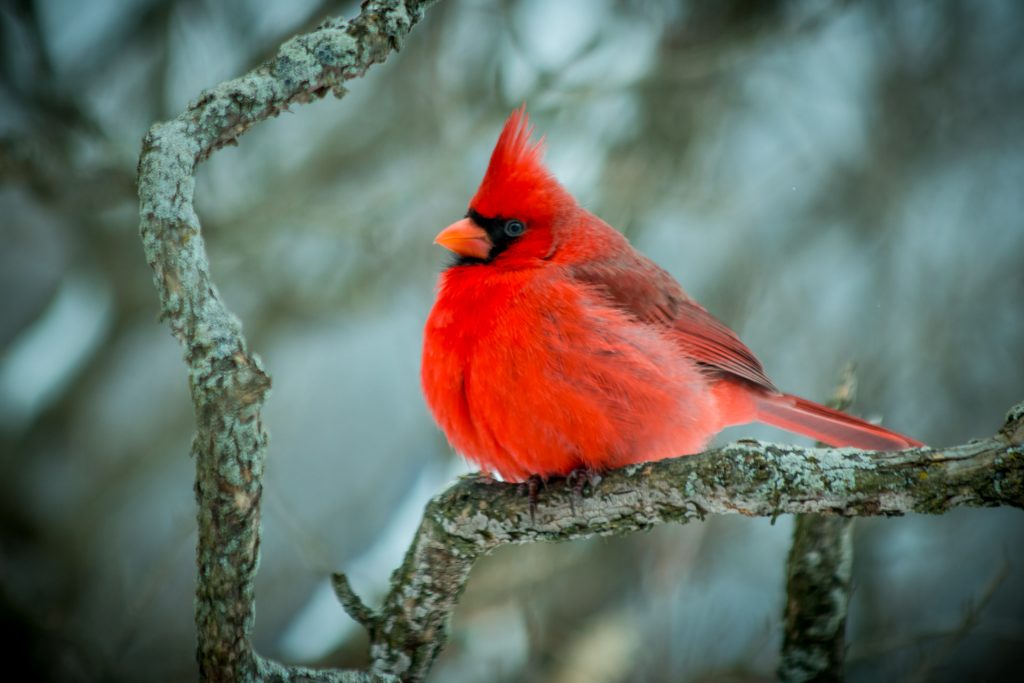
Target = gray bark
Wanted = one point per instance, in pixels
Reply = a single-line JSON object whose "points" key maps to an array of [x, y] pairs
{"points": [[477, 515], [227, 382], [818, 576]]}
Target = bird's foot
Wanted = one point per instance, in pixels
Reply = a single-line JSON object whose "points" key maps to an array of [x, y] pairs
{"points": [[531, 489], [578, 480]]}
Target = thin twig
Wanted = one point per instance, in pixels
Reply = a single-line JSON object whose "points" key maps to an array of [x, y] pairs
{"points": [[353, 604]]}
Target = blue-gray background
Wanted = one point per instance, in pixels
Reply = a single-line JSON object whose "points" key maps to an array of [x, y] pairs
{"points": [[837, 181]]}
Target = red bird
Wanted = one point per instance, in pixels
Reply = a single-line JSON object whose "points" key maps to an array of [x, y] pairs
{"points": [[553, 345]]}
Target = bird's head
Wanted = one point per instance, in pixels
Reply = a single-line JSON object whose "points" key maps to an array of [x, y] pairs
{"points": [[516, 213]]}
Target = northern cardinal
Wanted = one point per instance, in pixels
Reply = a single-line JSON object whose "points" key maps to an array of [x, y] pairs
{"points": [[554, 346]]}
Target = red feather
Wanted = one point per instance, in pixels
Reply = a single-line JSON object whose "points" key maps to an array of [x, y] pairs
{"points": [[563, 347]]}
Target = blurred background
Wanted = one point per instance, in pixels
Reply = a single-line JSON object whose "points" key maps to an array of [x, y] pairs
{"points": [[838, 181]]}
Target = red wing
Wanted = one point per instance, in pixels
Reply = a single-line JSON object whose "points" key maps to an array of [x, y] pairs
{"points": [[640, 287]]}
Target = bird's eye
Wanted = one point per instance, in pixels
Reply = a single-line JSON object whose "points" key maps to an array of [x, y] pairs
{"points": [[514, 228]]}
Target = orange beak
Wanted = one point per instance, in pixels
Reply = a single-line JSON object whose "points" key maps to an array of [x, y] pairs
{"points": [[465, 238]]}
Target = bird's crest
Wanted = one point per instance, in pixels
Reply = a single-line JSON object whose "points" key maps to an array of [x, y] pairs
{"points": [[516, 178], [514, 153]]}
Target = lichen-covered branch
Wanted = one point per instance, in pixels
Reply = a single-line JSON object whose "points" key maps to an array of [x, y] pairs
{"points": [[818, 576], [227, 382], [475, 516]]}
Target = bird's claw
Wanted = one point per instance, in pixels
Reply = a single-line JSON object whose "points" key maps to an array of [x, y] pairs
{"points": [[578, 480], [531, 489]]}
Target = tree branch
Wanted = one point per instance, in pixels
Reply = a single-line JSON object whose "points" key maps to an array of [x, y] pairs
{"points": [[475, 516], [818, 571], [818, 574], [229, 384]]}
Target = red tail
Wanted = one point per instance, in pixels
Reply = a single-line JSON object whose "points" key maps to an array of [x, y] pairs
{"points": [[799, 415]]}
